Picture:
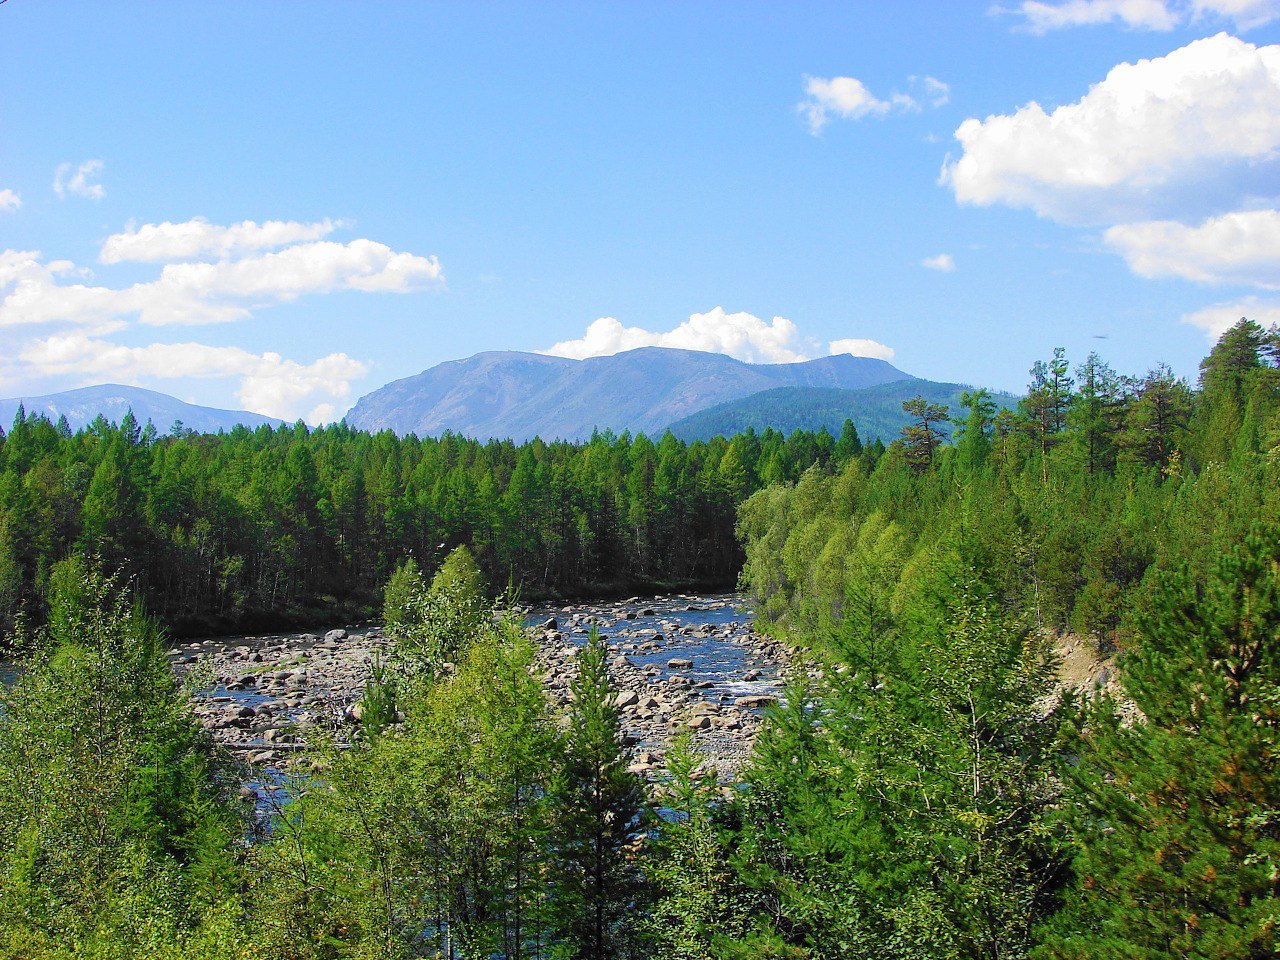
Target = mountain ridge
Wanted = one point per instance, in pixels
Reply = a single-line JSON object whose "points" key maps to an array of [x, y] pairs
{"points": [[516, 395], [83, 405], [875, 411]]}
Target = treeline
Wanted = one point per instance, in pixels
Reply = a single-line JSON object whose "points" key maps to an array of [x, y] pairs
{"points": [[253, 526], [1074, 497], [933, 791]]}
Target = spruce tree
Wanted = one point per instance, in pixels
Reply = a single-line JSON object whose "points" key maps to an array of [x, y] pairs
{"points": [[599, 804]]}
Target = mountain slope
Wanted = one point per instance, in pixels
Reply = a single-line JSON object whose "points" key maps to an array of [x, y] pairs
{"points": [[522, 395], [113, 401], [875, 411]]}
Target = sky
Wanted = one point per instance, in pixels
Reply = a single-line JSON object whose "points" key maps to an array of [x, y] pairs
{"points": [[282, 206]]}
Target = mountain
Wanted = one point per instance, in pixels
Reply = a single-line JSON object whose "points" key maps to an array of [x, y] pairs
{"points": [[112, 401], [875, 411], [522, 395]]}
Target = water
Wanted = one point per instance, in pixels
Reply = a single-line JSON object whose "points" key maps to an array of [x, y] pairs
{"points": [[674, 630]]}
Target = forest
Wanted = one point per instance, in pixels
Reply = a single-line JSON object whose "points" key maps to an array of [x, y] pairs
{"points": [[927, 788], [253, 529]]}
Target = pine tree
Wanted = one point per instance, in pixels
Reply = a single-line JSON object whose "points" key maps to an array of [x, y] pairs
{"points": [[1177, 799], [921, 438], [1046, 404], [1095, 414]]}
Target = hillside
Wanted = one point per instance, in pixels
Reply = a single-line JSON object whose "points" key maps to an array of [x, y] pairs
{"points": [[522, 395], [876, 411], [112, 401]]}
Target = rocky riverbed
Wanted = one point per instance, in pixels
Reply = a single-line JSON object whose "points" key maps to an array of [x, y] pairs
{"points": [[679, 663]]}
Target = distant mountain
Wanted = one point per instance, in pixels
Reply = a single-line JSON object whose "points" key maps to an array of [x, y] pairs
{"points": [[522, 395], [875, 411], [111, 400]]}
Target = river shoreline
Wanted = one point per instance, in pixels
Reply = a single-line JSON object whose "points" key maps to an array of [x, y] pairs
{"points": [[679, 662]]}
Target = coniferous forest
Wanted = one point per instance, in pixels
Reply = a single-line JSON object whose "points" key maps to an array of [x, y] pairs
{"points": [[255, 527], [927, 788]]}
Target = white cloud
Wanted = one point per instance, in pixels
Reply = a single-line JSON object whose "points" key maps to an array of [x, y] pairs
{"points": [[1241, 247], [1136, 14], [1215, 320], [9, 201], [740, 335], [1039, 17], [943, 262], [935, 91], [1201, 125], [268, 383], [845, 97], [192, 293], [77, 182], [858, 347], [1247, 14], [198, 238]]}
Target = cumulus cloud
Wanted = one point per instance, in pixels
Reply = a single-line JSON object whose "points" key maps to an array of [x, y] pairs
{"points": [[77, 180], [859, 347], [844, 97], [1039, 17], [198, 238], [1215, 320], [943, 262], [1241, 247], [9, 201], [268, 383], [194, 292], [740, 335], [1199, 125]]}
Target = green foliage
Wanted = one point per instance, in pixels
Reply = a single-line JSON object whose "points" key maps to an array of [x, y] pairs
{"points": [[921, 436], [399, 594], [434, 838], [598, 805], [264, 525], [922, 797], [700, 904], [1177, 814], [895, 805], [873, 412], [118, 839], [434, 626]]}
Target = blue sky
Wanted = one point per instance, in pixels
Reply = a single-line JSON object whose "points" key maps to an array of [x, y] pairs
{"points": [[282, 206]]}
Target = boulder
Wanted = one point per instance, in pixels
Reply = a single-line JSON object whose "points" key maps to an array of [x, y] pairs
{"points": [[333, 636]]}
